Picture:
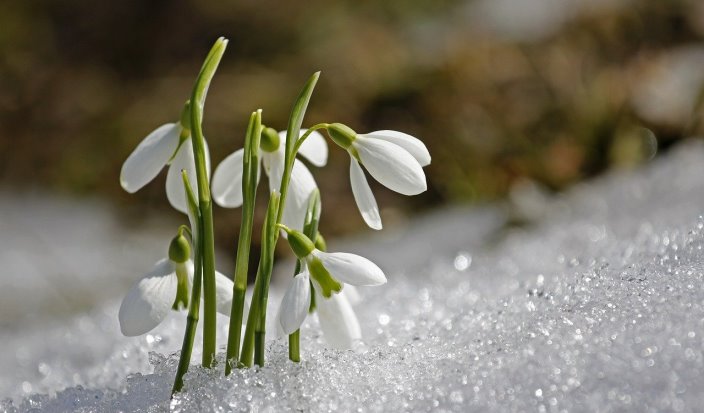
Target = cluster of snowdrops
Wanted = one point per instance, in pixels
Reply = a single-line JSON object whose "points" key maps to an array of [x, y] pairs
{"points": [[322, 282]]}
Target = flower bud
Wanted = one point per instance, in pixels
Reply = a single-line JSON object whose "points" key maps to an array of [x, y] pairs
{"points": [[270, 140], [343, 135], [179, 249]]}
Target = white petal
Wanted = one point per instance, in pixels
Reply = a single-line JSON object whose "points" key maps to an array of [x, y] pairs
{"points": [[295, 304], [363, 196], [273, 163], [338, 321], [227, 181], [223, 293], [300, 189], [352, 294], [149, 157], [149, 300], [314, 148], [413, 145], [184, 159], [350, 268], [391, 165]]}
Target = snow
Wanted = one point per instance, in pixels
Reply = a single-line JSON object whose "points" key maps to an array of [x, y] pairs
{"points": [[598, 305]]}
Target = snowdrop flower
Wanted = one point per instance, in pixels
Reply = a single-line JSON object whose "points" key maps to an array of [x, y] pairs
{"points": [[395, 159], [227, 179], [337, 318], [169, 144], [167, 286], [328, 273]]}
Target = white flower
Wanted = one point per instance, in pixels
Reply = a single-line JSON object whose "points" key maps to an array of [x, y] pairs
{"points": [[151, 298], [328, 273], [166, 145], [338, 320], [227, 179], [393, 158]]}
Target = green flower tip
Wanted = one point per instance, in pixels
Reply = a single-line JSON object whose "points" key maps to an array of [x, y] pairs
{"points": [[327, 283], [179, 249], [270, 140], [342, 135], [301, 245]]}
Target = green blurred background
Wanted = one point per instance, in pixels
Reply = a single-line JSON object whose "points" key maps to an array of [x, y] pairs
{"points": [[503, 92]]}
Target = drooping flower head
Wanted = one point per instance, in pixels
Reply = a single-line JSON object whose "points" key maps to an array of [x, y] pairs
{"points": [[167, 286], [169, 144], [329, 272], [227, 179], [393, 158]]}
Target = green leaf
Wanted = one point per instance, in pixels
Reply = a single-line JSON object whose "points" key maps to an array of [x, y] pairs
{"points": [[297, 114], [207, 72]]}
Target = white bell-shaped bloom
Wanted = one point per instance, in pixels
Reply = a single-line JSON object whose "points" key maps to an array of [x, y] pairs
{"points": [[329, 273], [338, 321], [151, 298], [395, 159], [162, 147], [227, 179]]}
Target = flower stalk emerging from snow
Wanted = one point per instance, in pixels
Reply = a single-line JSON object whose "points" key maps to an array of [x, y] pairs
{"points": [[206, 234], [248, 188], [393, 158]]}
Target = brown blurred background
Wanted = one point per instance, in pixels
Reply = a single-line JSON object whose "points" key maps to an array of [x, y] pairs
{"points": [[502, 91]]}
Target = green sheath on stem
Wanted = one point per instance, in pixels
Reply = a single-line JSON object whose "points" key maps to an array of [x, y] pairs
{"points": [[249, 192], [206, 235]]}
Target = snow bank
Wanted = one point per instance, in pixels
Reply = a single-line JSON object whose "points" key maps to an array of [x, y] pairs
{"points": [[598, 306]]}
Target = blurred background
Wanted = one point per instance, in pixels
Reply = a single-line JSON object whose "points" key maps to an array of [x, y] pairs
{"points": [[514, 98]]}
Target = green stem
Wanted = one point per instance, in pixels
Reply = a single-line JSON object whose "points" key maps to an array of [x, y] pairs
{"points": [[266, 263], [206, 234], [194, 306], [191, 324], [308, 132], [247, 353], [249, 191], [253, 345], [294, 346], [209, 304], [267, 268]]}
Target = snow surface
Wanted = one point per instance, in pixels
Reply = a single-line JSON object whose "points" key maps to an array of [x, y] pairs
{"points": [[596, 306]]}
